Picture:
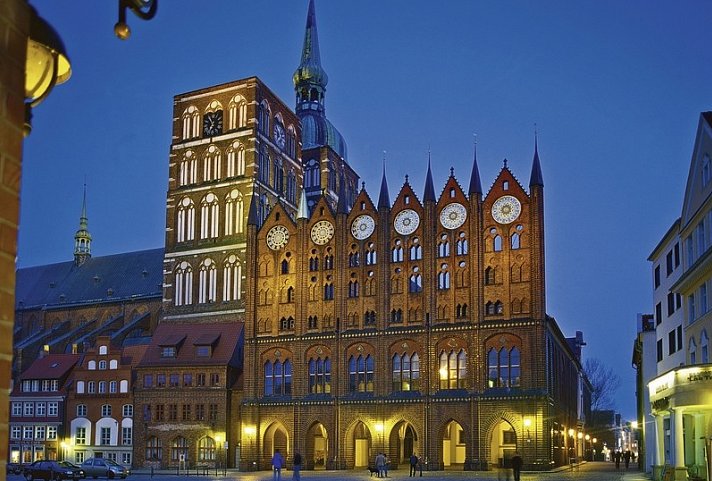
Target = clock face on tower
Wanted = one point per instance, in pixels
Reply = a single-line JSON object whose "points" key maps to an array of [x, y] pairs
{"points": [[506, 209], [362, 227], [322, 232], [213, 123], [277, 237], [406, 221], [453, 215], [279, 137]]}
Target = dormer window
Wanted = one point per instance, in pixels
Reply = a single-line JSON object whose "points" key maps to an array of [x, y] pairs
{"points": [[102, 365], [203, 351], [168, 351], [205, 345]]}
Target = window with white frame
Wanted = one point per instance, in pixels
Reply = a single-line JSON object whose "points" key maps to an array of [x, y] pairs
{"points": [[235, 160], [207, 285], [128, 410], [17, 409], [78, 457], [212, 162], [237, 112], [51, 432], [40, 432], [113, 364], [126, 459], [105, 436], [105, 410], [15, 432], [53, 409], [232, 279], [29, 409], [112, 386], [126, 436], [102, 365], [185, 228], [80, 387], [80, 436], [191, 122], [27, 432], [91, 387], [102, 387], [704, 350], [209, 216], [184, 284], [234, 213], [41, 409], [81, 410]]}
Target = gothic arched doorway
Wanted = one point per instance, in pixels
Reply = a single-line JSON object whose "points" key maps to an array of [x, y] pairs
{"points": [[453, 446], [362, 445], [503, 443], [403, 442], [317, 447], [275, 438]]}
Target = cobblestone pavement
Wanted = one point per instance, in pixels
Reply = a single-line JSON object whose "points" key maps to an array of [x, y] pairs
{"points": [[597, 471]]}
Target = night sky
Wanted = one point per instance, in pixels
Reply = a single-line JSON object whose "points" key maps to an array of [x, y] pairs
{"points": [[615, 90]]}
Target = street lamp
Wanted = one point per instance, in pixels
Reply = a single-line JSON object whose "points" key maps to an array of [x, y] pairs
{"points": [[586, 438], [219, 440], [47, 65], [64, 448], [250, 432], [379, 429]]}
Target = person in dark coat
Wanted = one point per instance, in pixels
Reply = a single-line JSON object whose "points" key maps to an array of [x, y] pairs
{"points": [[517, 463], [626, 458], [413, 464], [617, 458]]}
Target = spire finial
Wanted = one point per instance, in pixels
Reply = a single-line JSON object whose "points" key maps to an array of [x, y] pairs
{"points": [[452, 171], [82, 238], [536, 177], [406, 178], [384, 201], [475, 184], [505, 163], [429, 194]]}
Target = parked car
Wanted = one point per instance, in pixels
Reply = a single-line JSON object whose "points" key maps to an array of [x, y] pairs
{"points": [[52, 470], [103, 467], [14, 468]]}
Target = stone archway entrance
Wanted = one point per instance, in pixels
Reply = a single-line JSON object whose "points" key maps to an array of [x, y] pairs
{"points": [[275, 438], [453, 446], [317, 447], [362, 445], [402, 443], [503, 443]]}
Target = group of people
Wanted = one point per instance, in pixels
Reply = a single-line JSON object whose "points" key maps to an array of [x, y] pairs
{"points": [[381, 463], [627, 456], [415, 464]]}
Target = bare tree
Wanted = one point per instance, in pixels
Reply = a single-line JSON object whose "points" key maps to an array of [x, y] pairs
{"points": [[604, 383]]}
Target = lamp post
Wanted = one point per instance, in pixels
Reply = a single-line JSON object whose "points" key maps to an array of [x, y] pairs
{"points": [[579, 444], [587, 438], [64, 447], [594, 440], [250, 432], [572, 450]]}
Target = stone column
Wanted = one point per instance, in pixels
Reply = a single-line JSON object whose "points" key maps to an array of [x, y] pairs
{"points": [[659, 440], [679, 446], [698, 440]]}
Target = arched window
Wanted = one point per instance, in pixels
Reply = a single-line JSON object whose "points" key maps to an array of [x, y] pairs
{"points": [[416, 282], [370, 254], [443, 246], [354, 259], [396, 316], [188, 169], [185, 223], [206, 449], [361, 376], [285, 266], [497, 243], [263, 117], [328, 291], [209, 216], [398, 252], [353, 289], [453, 369], [461, 246], [237, 112], [692, 349], [207, 282], [444, 278], [91, 365], [235, 160], [290, 294], [234, 213], [212, 162], [313, 264], [704, 342], [184, 284], [312, 176], [406, 372], [369, 318], [515, 241], [416, 250], [191, 122], [328, 261], [331, 184], [291, 186], [504, 367], [278, 377], [278, 177], [461, 311], [498, 307], [154, 449], [286, 324], [179, 449], [319, 375], [263, 208], [490, 276], [263, 165], [232, 279], [489, 308]]}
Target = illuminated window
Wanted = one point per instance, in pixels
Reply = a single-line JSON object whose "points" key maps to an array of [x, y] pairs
{"points": [[320, 375], [503, 366], [185, 224], [406, 372], [453, 369], [361, 377], [278, 377], [207, 285]]}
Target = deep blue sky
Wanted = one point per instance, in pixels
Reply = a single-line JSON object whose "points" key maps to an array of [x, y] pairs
{"points": [[615, 88]]}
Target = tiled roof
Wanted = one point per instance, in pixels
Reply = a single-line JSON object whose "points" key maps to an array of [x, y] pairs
{"points": [[98, 279], [133, 354], [52, 366], [225, 350]]}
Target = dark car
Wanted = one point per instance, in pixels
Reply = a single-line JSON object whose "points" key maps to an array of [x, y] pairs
{"points": [[52, 470], [103, 467], [14, 468]]}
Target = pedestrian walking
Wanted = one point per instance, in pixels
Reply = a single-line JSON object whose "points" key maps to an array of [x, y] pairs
{"points": [[517, 463], [380, 462], [413, 464], [617, 458], [297, 466], [626, 458], [277, 465]]}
